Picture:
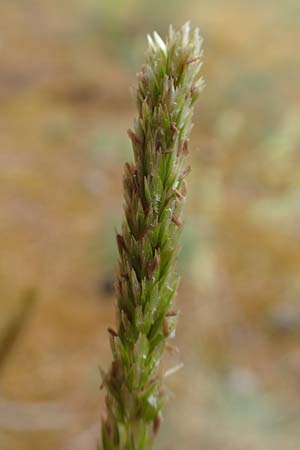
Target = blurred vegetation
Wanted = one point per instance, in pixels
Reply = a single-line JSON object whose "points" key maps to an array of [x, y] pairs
{"points": [[65, 73]]}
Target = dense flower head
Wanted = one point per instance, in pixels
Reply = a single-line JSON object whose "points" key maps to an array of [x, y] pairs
{"points": [[154, 192]]}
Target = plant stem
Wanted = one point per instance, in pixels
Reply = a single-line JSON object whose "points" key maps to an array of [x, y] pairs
{"points": [[154, 192]]}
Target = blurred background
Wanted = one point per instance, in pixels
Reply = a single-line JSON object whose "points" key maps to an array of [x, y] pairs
{"points": [[66, 68]]}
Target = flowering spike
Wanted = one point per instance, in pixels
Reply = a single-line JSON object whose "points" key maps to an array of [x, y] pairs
{"points": [[154, 190]]}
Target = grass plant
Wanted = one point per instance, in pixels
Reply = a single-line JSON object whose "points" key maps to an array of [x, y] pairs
{"points": [[154, 192]]}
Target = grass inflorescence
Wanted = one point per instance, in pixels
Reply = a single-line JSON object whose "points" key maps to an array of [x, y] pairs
{"points": [[154, 192]]}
